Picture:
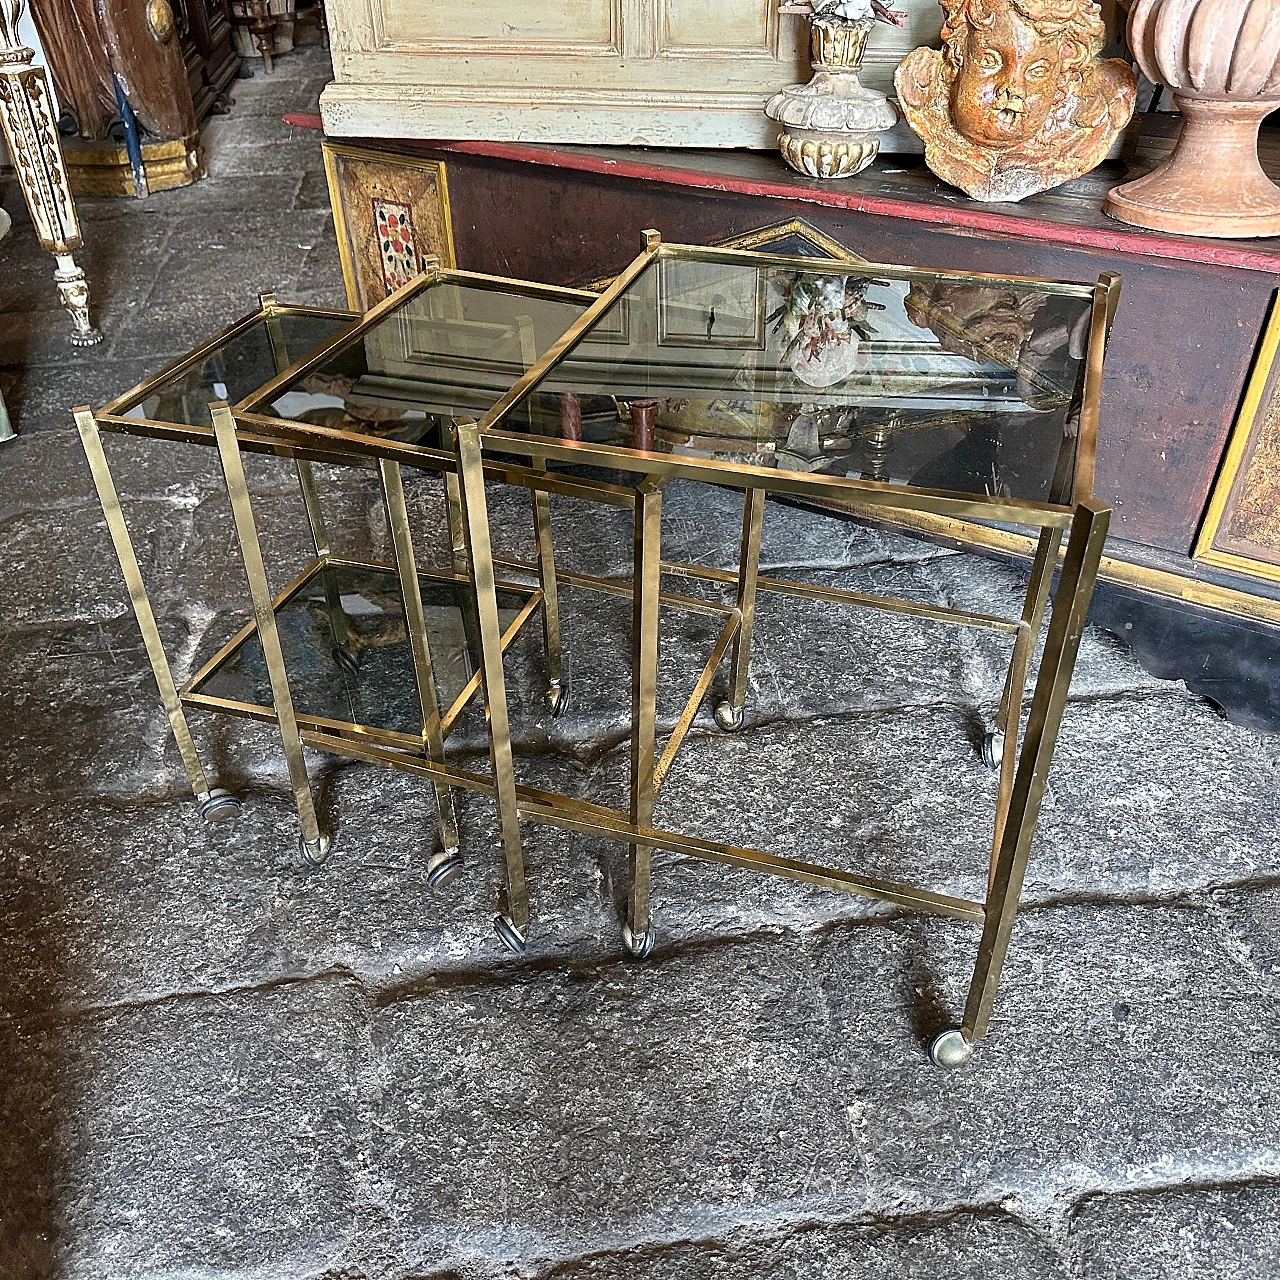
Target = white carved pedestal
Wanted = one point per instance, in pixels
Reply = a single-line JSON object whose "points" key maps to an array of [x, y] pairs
{"points": [[26, 116]]}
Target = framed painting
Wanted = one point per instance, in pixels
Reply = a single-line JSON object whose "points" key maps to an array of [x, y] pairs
{"points": [[390, 213], [1241, 529]]}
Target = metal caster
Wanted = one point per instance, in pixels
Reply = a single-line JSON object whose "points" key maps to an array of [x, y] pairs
{"points": [[729, 718], [443, 866], [949, 1049], [314, 852], [512, 938], [347, 660], [558, 700], [993, 749], [644, 946], [219, 805]]}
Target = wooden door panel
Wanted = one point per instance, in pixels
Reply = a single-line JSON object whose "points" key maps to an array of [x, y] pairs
{"points": [[710, 27], [509, 26]]}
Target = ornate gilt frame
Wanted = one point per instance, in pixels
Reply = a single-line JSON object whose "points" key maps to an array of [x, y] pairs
{"points": [[333, 152], [1259, 397]]}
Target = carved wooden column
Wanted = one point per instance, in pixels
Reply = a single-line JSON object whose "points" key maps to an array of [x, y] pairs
{"points": [[26, 116]]}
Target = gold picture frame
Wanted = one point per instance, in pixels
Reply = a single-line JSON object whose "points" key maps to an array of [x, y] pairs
{"points": [[1241, 528], [770, 239], [366, 186]]}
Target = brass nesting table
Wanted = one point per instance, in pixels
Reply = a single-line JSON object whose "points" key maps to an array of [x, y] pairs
{"points": [[906, 390]]}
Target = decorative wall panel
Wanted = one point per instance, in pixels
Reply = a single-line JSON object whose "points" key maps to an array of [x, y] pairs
{"points": [[657, 72], [389, 212]]}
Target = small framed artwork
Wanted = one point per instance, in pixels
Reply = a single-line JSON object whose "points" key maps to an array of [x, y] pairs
{"points": [[390, 213], [1241, 529]]}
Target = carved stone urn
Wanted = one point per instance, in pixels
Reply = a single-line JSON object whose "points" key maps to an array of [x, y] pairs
{"points": [[1222, 63], [831, 126]]}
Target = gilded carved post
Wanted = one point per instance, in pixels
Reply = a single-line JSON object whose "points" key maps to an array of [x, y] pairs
{"points": [[26, 116]]}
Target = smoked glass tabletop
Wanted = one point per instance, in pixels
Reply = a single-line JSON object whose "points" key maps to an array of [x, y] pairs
{"points": [[937, 382], [357, 668], [449, 350], [236, 367]]}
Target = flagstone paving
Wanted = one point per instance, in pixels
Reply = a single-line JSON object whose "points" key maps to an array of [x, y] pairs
{"points": [[217, 1064]]}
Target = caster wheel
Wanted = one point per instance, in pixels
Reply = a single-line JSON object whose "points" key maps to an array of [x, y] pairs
{"points": [[993, 749], [347, 660], [512, 938], [728, 718], [558, 700], [643, 947], [949, 1049], [314, 852], [443, 867], [220, 806]]}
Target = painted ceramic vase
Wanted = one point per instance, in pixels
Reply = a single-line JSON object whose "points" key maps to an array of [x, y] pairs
{"points": [[1221, 60]]}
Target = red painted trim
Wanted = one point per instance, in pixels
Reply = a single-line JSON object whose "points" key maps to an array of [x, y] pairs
{"points": [[303, 120], [1146, 244]]}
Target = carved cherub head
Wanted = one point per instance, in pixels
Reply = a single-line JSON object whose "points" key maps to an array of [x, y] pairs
{"points": [[1011, 61], [1018, 99]]}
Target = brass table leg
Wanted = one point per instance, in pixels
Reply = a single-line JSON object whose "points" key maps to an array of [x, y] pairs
{"points": [[512, 925], [1000, 748], [557, 693], [1066, 625], [638, 932], [557, 690], [446, 862], [313, 843], [457, 534], [345, 650], [729, 712], [216, 805]]}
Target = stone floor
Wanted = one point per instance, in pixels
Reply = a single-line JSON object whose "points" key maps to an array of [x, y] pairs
{"points": [[217, 1064]]}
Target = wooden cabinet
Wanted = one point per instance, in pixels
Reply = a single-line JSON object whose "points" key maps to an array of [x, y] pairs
{"points": [[1188, 449], [676, 73], [208, 50]]}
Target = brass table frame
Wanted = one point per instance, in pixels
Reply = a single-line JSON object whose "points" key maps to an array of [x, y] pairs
{"points": [[215, 803], [1023, 766], [1023, 773], [470, 530]]}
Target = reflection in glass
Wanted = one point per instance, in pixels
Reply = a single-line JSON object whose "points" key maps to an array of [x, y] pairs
{"points": [[238, 367], [449, 350], [367, 676], [929, 381]]}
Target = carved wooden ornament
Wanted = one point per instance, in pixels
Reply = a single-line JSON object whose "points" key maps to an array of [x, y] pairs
{"points": [[1221, 59], [1017, 100]]}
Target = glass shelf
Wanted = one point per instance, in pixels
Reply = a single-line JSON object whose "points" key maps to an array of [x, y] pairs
{"points": [[450, 349], [966, 384], [366, 679], [233, 368]]}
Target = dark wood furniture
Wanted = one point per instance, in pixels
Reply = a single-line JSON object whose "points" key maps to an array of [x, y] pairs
{"points": [[208, 50], [1187, 438], [173, 63]]}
